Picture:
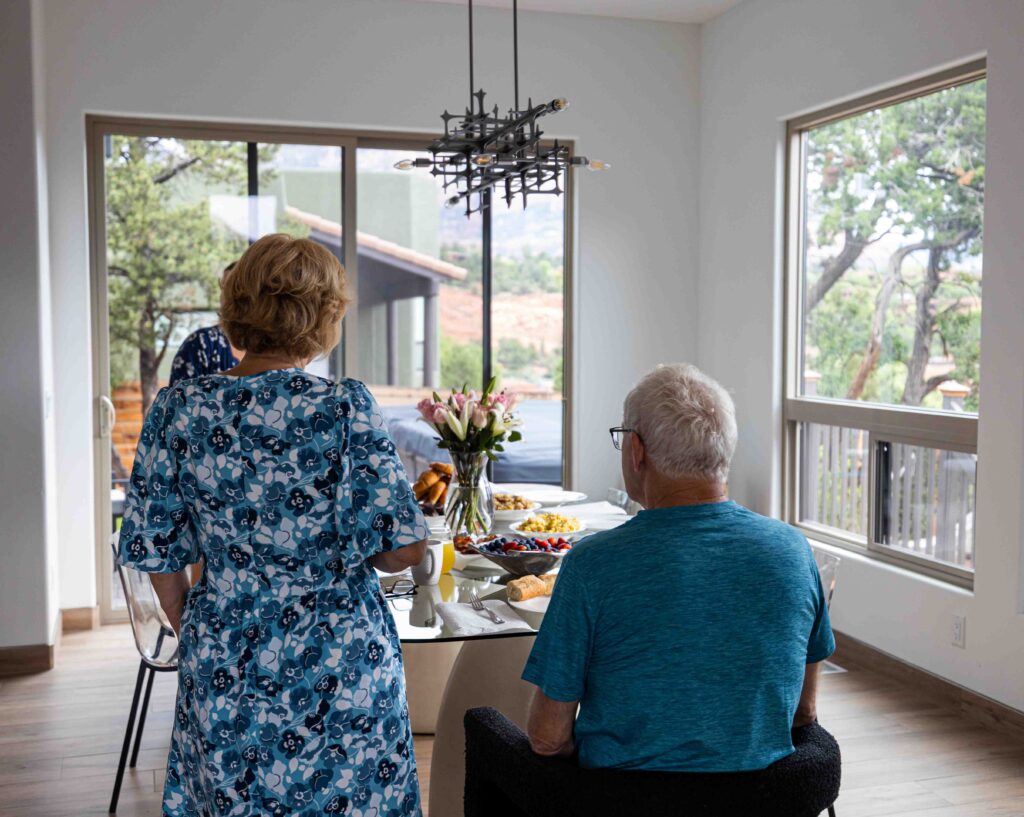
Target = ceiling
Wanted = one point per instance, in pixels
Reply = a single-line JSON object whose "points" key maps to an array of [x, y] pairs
{"points": [[677, 11]]}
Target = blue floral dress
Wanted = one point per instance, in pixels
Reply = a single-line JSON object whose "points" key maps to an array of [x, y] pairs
{"points": [[291, 695], [205, 351]]}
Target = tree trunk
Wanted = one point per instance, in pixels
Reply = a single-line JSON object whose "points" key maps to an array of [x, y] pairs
{"points": [[837, 266], [873, 352], [917, 387], [924, 328], [149, 363]]}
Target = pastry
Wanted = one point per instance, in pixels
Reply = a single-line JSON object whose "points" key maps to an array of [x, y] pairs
{"points": [[527, 587]]}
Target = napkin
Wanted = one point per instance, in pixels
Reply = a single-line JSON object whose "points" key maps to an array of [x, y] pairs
{"points": [[463, 620]]}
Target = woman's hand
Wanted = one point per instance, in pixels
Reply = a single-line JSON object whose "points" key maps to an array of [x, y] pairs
{"points": [[395, 561], [171, 589]]}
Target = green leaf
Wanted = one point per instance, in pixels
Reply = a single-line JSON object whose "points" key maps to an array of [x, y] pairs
{"points": [[514, 437]]}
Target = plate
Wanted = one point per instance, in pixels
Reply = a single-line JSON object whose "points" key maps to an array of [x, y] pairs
{"points": [[538, 604], [539, 492], [519, 515], [547, 534]]}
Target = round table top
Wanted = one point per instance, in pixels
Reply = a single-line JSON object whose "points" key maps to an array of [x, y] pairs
{"points": [[416, 616]]}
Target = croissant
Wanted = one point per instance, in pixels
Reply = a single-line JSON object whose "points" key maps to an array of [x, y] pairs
{"points": [[444, 468], [529, 587], [435, 492]]}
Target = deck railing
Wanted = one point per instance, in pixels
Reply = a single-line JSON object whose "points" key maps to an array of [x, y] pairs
{"points": [[925, 495]]}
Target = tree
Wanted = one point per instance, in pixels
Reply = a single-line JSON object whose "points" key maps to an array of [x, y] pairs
{"points": [[164, 251], [912, 174], [461, 363]]}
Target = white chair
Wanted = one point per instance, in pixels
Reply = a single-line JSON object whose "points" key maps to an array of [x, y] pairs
{"points": [[828, 566], [158, 649], [619, 498]]}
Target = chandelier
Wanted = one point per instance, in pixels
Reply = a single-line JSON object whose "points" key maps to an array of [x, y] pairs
{"points": [[484, 151]]}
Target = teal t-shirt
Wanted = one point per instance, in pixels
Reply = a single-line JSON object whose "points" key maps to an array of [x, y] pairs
{"points": [[684, 635]]}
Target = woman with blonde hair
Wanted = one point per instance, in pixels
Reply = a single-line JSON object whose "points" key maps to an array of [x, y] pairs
{"points": [[291, 697]]}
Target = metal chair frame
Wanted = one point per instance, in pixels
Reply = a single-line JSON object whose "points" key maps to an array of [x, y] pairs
{"points": [[147, 671]]}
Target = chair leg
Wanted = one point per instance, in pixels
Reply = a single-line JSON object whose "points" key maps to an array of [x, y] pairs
{"points": [[127, 740], [831, 811], [142, 718]]}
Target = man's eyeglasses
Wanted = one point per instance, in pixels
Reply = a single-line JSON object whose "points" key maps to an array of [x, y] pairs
{"points": [[618, 432], [399, 588]]}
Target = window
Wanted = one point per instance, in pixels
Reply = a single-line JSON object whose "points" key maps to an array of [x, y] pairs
{"points": [[884, 298], [439, 299], [443, 301]]}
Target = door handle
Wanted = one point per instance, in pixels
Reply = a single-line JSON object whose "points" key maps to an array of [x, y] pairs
{"points": [[108, 416]]}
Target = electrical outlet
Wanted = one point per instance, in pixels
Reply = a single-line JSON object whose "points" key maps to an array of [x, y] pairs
{"points": [[960, 631]]}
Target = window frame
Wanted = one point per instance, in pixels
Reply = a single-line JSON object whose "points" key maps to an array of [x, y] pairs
{"points": [[896, 424], [345, 356]]}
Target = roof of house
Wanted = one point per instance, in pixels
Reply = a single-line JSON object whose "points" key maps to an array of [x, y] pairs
{"points": [[379, 245]]}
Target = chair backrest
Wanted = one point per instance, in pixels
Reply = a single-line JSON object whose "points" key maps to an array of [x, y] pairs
{"points": [[828, 565], [154, 638], [619, 498]]}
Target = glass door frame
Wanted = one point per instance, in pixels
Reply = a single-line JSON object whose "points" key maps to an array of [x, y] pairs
{"points": [[346, 355]]}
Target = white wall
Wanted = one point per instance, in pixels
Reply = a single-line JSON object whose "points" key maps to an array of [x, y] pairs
{"points": [[763, 62], [396, 65], [27, 540]]}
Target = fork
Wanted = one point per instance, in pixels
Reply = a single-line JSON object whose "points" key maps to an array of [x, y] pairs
{"points": [[476, 604]]}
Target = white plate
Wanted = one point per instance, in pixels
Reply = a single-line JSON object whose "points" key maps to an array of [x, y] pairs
{"points": [[547, 534], [515, 515], [538, 604], [539, 492]]}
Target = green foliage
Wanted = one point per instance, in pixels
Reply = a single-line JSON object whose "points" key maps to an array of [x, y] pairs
{"points": [[530, 273], [164, 251], [461, 363], [908, 175], [517, 357]]}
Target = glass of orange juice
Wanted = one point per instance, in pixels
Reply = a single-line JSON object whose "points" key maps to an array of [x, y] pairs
{"points": [[448, 559]]}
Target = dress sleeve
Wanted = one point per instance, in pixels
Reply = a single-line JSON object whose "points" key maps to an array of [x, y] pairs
{"points": [[377, 510], [157, 534]]}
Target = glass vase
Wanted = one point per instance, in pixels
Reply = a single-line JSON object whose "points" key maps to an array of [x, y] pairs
{"points": [[469, 509]]}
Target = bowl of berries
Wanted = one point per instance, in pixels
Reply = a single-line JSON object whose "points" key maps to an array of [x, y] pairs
{"points": [[524, 555]]}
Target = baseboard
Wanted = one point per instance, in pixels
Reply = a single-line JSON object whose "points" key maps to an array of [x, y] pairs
{"points": [[76, 619], [977, 708], [26, 660]]}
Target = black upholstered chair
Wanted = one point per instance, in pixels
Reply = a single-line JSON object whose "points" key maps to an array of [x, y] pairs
{"points": [[504, 778]]}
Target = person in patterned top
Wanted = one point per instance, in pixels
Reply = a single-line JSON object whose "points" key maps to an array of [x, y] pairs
{"points": [[291, 696], [205, 351]]}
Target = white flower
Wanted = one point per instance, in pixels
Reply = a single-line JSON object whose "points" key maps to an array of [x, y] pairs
{"points": [[455, 425]]}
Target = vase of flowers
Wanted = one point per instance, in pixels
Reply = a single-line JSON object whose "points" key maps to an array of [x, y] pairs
{"points": [[473, 429]]}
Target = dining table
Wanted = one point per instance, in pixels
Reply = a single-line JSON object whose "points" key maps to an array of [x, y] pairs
{"points": [[449, 670]]}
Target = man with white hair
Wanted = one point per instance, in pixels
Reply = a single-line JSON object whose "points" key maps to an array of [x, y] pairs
{"points": [[689, 637]]}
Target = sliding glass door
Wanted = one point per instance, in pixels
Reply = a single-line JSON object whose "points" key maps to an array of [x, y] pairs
{"points": [[439, 300], [170, 212]]}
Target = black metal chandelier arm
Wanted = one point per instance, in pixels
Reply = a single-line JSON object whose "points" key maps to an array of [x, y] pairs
{"points": [[486, 149]]}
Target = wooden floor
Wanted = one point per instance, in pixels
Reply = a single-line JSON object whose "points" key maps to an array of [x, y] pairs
{"points": [[61, 731]]}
